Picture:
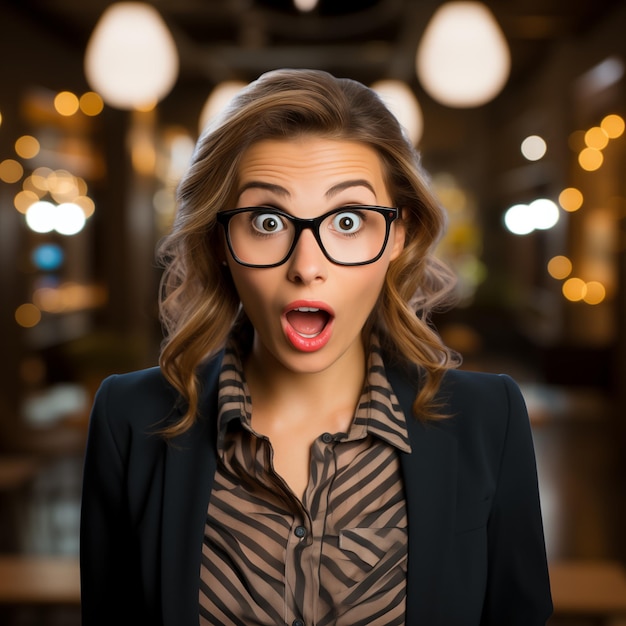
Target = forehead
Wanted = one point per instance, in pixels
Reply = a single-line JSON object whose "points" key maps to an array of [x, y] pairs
{"points": [[310, 155]]}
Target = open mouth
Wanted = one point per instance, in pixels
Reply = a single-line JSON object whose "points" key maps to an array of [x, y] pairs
{"points": [[307, 321]]}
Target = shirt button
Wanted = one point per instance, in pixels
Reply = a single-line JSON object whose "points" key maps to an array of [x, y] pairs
{"points": [[327, 437], [300, 532], [297, 622]]}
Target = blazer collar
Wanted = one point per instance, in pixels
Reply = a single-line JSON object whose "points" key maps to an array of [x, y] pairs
{"points": [[430, 477], [429, 473], [190, 466]]}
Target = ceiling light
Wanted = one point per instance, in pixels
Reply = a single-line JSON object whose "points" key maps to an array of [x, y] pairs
{"points": [[218, 99], [463, 59], [131, 59], [401, 101]]}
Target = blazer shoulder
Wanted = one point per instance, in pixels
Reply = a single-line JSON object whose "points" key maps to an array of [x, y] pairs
{"points": [[139, 400], [481, 401], [479, 386], [145, 399]]}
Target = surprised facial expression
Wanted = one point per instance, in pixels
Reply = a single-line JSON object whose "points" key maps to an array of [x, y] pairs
{"points": [[308, 313]]}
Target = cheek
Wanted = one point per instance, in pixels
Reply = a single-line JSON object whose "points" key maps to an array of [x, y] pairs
{"points": [[253, 287], [364, 290]]}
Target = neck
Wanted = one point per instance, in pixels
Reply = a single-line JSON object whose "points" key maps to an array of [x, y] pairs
{"points": [[333, 390]]}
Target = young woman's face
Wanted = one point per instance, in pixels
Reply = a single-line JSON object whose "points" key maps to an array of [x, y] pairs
{"points": [[308, 313]]}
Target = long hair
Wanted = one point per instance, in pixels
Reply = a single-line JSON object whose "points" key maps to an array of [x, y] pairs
{"points": [[198, 300]]}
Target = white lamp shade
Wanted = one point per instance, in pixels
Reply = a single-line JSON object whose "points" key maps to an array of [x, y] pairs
{"points": [[401, 101], [131, 59], [218, 99], [463, 59]]}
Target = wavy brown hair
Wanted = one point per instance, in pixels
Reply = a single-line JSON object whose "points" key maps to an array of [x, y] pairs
{"points": [[198, 301]]}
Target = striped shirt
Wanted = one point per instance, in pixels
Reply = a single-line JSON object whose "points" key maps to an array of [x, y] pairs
{"points": [[338, 555]]}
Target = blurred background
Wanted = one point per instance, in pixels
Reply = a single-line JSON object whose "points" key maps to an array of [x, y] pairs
{"points": [[517, 108]]}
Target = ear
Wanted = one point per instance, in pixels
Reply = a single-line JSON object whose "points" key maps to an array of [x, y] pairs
{"points": [[398, 236]]}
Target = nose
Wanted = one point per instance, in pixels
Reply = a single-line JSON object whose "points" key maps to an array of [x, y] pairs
{"points": [[307, 263]]}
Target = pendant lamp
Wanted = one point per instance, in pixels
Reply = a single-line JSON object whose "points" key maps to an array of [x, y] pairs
{"points": [[131, 59], [463, 59], [401, 101], [218, 99]]}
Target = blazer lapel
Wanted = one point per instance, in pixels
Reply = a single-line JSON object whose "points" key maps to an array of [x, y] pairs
{"points": [[430, 476], [430, 483], [189, 471]]}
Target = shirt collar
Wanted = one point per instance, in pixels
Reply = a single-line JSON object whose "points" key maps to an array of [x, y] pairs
{"points": [[378, 412]]}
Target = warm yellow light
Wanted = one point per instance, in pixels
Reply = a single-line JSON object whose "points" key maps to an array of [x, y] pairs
{"points": [[86, 204], [39, 178], [62, 186], [23, 199], [571, 199], [131, 58], [305, 6], [11, 171], [27, 147], [613, 126], [595, 292], [559, 267], [66, 103], [91, 103], [574, 289], [463, 59], [27, 315], [218, 100], [590, 159], [596, 138], [401, 101]]}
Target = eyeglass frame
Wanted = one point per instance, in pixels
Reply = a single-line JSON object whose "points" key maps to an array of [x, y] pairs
{"points": [[313, 224]]}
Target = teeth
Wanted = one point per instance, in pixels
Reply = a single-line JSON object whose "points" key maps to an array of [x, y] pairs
{"points": [[306, 309]]}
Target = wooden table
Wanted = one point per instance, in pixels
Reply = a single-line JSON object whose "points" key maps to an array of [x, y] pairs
{"points": [[591, 589], [39, 580]]}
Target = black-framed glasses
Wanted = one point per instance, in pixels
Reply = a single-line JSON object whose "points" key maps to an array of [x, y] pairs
{"points": [[266, 237]]}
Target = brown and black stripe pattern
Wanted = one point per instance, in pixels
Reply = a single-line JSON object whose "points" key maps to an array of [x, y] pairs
{"points": [[336, 557]]}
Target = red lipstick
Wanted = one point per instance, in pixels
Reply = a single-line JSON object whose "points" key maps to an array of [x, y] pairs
{"points": [[308, 324]]}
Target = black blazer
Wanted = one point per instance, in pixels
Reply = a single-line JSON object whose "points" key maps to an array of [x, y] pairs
{"points": [[476, 552]]}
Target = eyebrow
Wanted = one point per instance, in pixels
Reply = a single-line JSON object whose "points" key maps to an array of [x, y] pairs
{"points": [[333, 191], [347, 184], [256, 184]]}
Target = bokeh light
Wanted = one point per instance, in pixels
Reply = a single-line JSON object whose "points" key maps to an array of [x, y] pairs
{"points": [[69, 219], [571, 199], [66, 103], [595, 292], [27, 147], [545, 213], [590, 159], [41, 216], [518, 220], [91, 103], [574, 289], [23, 199], [540, 214], [613, 126], [559, 267], [596, 138], [533, 147], [27, 315], [48, 257], [11, 171]]}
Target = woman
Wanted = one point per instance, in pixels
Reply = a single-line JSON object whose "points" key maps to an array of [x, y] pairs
{"points": [[307, 452]]}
